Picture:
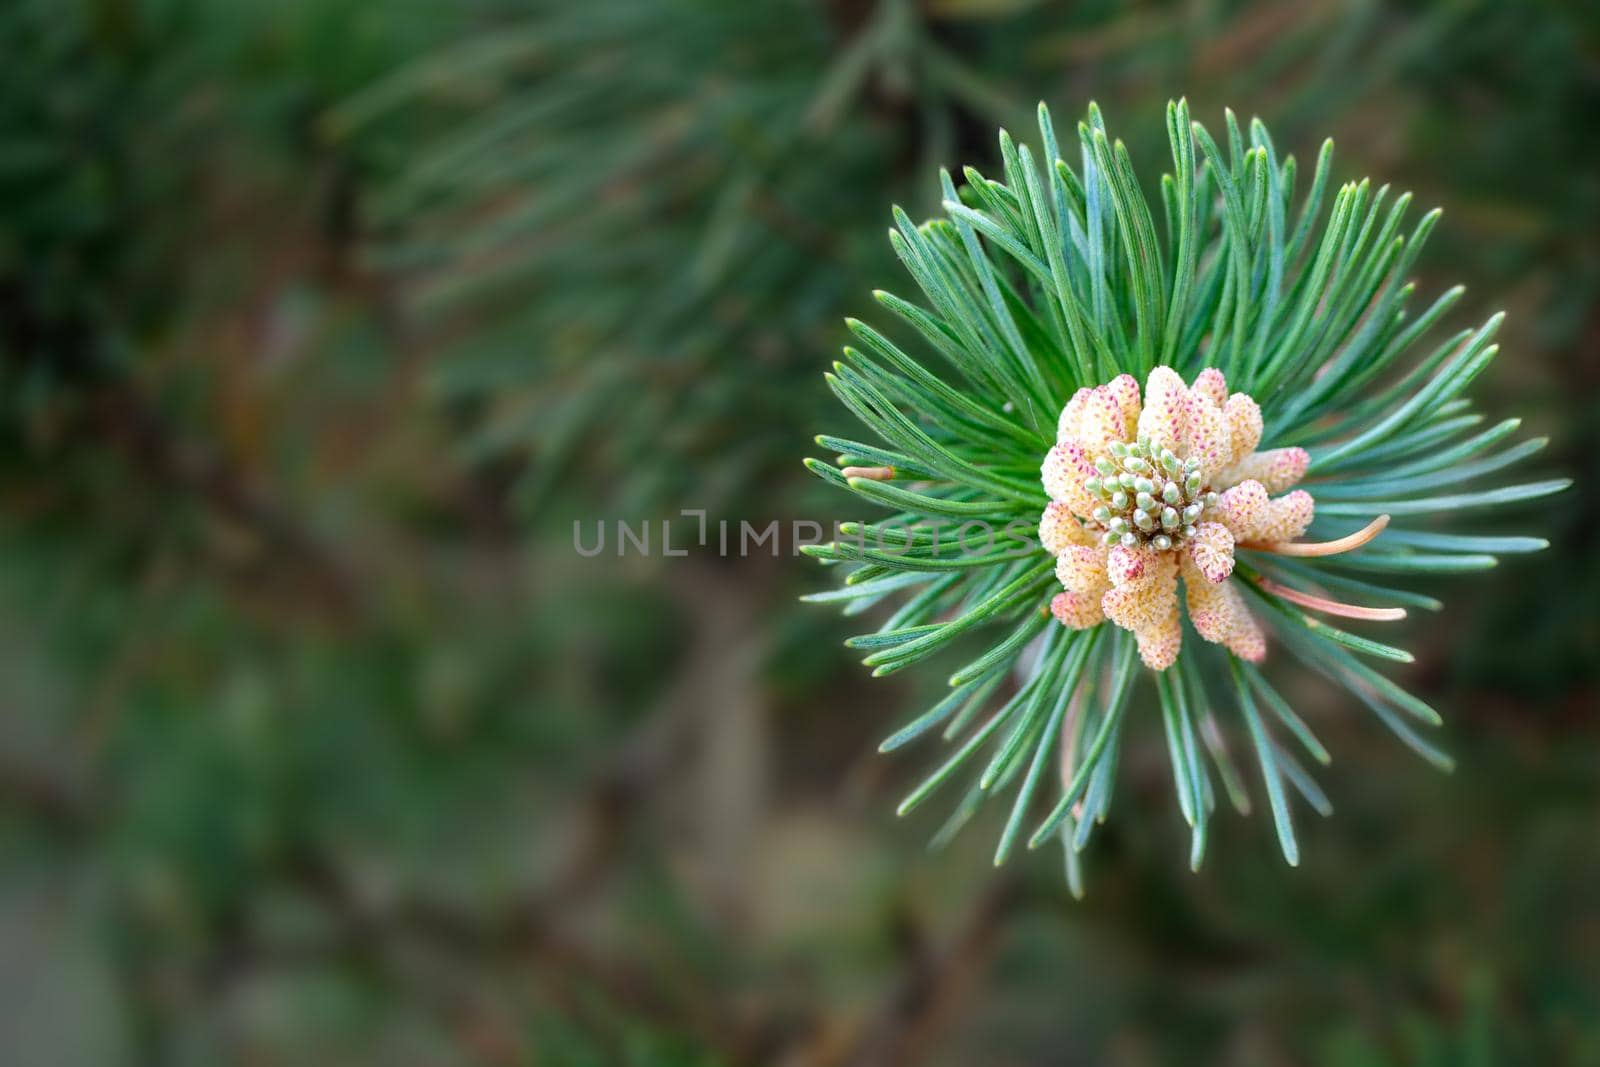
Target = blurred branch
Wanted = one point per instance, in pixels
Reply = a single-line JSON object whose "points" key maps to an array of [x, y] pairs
{"points": [[534, 929], [122, 416], [527, 932], [936, 982], [54, 798]]}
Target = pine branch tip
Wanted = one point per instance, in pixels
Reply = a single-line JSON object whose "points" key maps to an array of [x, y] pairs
{"points": [[977, 433]]}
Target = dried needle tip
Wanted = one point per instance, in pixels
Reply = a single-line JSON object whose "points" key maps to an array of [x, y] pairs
{"points": [[872, 474], [1348, 543], [1331, 607]]}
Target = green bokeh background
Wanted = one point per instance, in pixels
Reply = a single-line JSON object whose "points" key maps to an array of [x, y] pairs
{"points": [[321, 321]]}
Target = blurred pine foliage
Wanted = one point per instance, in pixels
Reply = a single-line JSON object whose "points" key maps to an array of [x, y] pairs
{"points": [[319, 320]]}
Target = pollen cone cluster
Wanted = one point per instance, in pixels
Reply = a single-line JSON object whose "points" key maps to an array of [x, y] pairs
{"points": [[1147, 489]]}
